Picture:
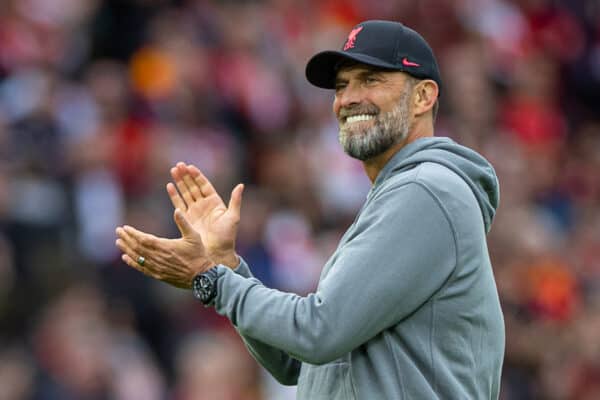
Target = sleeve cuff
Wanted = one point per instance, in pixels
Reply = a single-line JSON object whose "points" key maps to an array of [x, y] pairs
{"points": [[243, 269]]}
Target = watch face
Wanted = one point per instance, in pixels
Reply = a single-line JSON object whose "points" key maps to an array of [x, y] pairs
{"points": [[197, 287], [203, 287]]}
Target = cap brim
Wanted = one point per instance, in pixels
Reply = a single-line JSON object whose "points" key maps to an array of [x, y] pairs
{"points": [[321, 69]]}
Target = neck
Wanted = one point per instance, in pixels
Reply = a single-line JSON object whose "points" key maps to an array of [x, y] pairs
{"points": [[373, 166]]}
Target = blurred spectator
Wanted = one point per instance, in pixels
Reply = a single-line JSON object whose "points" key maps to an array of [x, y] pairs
{"points": [[17, 374], [215, 367]]}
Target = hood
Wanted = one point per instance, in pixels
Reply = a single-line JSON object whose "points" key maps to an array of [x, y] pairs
{"points": [[475, 170]]}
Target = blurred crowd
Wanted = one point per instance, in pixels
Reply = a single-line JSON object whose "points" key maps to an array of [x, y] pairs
{"points": [[98, 98]]}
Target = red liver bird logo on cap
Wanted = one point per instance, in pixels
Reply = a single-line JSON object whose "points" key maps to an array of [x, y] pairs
{"points": [[352, 38]]}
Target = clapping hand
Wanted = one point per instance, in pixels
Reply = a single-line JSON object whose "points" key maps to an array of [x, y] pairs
{"points": [[208, 231], [206, 211], [174, 261]]}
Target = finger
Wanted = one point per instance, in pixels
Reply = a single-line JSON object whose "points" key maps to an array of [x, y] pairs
{"points": [[142, 242], [183, 224], [206, 188], [176, 199], [181, 186], [192, 186], [121, 234], [235, 202], [149, 246], [133, 257], [135, 265], [126, 248], [154, 259]]}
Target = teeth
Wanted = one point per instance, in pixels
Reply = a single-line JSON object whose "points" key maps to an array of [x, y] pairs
{"points": [[360, 117]]}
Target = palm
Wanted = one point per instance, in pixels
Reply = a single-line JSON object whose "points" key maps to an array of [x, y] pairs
{"points": [[206, 211], [210, 217]]}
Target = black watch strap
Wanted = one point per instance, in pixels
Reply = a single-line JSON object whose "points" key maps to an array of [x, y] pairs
{"points": [[204, 286]]}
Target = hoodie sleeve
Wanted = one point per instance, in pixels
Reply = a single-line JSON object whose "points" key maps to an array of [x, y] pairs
{"points": [[283, 367], [401, 252], [243, 269]]}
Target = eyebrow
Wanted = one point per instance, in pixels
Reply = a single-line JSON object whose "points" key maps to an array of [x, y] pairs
{"points": [[361, 75]]}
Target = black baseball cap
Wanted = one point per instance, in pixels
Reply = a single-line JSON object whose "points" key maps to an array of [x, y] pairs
{"points": [[385, 44]]}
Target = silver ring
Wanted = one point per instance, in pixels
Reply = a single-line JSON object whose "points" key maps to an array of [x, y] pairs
{"points": [[141, 260]]}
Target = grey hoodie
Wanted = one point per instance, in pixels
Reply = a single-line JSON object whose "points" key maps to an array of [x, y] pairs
{"points": [[406, 307]]}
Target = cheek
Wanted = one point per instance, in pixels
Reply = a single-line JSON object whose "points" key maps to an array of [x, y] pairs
{"points": [[336, 107]]}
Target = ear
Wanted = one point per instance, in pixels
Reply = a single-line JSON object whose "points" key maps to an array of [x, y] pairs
{"points": [[425, 95]]}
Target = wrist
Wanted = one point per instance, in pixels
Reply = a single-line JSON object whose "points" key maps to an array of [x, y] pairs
{"points": [[200, 268], [227, 258]]}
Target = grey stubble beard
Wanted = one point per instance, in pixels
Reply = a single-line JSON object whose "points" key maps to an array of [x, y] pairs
{"points": [[388, 130]]}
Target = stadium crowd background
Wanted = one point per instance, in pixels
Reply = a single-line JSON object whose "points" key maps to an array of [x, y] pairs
{"points": [[99, 98]]}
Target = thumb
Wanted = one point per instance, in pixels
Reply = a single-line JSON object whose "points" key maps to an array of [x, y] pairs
{"points": [[183, 224], [235, 202]]}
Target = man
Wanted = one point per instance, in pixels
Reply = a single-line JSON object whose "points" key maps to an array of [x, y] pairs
{"points": [[406, 307]]}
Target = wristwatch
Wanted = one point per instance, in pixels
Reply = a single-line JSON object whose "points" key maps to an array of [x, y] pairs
{"points": [[204, 286]]}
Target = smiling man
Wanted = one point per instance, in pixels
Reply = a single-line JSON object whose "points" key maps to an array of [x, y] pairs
{"points": [[406, 307], [376, 122], [364, 132]]}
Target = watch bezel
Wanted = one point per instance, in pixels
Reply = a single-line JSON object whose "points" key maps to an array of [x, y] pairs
{"points": [[204, 286]]}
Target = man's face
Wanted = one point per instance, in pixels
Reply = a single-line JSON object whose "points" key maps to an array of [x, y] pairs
{"points": [[373, 110]]}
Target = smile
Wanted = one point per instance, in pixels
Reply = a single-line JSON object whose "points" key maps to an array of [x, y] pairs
{"points": [[359, 117]]}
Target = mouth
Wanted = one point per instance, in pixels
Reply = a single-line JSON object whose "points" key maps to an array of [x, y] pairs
{"points": [[358, 118]]}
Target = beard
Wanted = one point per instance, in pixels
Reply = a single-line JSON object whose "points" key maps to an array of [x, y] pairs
{"points": [[386, 131]]}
